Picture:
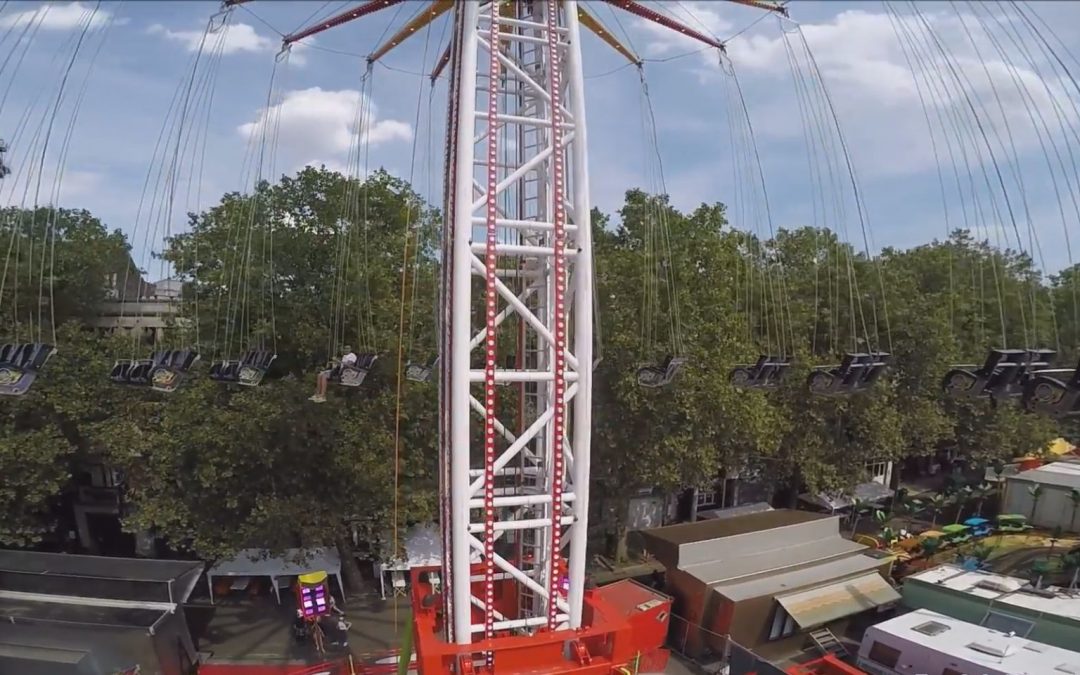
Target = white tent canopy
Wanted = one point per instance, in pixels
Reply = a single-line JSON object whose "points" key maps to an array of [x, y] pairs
{"points": [[257, 562], [423, 548]]}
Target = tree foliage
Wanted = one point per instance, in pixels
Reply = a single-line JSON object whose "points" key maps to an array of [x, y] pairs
{"points": [[315, 261]]}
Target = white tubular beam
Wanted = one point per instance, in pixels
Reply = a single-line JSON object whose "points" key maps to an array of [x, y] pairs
{"points": [[476, 528], [583, 316], [524, 250], [518, 623], [535, 428], [521, 500], [539, 226], [460, 334], [525, 313], [520, 376], [517, 574]]}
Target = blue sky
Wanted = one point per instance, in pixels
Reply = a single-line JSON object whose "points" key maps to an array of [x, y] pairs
{"points": [[132, 61]]}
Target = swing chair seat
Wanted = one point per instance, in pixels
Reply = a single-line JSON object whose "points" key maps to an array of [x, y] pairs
{"points": [[353, 375], [856, 373], [654, 377], [420, 372], [163, 371], [1055, 397], [767, 373], [20, 363], [1003, 375], [247, 371]]}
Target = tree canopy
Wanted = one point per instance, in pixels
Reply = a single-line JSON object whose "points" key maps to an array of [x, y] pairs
{"points": [[315, 261]]}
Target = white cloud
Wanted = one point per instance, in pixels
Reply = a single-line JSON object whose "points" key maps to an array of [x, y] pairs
{"points": [[871, 84], [70, 16], [703, 17], [324, 124], [233, 38]]}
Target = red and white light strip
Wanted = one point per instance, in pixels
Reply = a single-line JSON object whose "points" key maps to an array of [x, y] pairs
{"points": [[559, 263], [490, 310]]}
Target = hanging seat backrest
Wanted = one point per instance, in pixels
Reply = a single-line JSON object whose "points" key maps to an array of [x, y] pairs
{"points": [[874, 366], [224, 370], [38, 356], [7, 352]]}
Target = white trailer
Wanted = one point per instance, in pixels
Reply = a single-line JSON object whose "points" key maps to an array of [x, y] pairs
{"points": [[933, 644]]}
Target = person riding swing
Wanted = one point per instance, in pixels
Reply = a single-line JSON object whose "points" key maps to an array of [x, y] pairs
{"points": [[348, 358]]}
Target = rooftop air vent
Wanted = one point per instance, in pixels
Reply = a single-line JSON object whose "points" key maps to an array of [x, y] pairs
{"points": [[993, 585], [931, 628], [1000, 651]]}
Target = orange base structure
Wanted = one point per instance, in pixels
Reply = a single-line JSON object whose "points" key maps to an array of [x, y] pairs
{"points": [[624, 628], [826, 665]]}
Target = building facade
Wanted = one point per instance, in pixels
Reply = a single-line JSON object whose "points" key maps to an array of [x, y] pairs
{"points": [[927, 642], [766, 579], [998, 602]]}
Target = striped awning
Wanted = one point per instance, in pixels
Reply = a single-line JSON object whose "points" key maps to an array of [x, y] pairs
{"points": [[821, 605]]}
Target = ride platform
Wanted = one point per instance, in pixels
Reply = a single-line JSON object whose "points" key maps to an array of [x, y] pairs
{"points": [[624, 626]]}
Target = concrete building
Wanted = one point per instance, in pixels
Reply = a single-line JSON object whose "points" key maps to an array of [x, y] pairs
{"points": [[766, 579], [1055, 505], [928, 642], [997, 601], [135, 305]]}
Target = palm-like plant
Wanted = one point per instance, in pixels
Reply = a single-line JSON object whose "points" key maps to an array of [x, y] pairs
{"points": [[1074, 497], [979, 494], [1071, 562], [961, 498], [936, 505], [1039, 569], [1036, 492]]}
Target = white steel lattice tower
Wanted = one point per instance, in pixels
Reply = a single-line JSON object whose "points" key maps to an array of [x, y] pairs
{"points": [[517, 285]]}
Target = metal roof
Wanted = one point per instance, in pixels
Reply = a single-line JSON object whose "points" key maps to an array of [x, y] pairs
{"points": [[787, 581], [62, 574], [742, 564], [1063, 474], [998, 589], [996, 651], [818, 606]]}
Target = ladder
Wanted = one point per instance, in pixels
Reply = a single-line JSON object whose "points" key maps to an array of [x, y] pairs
{"points": [[828, 643]]}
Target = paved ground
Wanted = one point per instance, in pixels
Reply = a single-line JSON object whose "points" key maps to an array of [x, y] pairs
{"points": [[243, 629]]}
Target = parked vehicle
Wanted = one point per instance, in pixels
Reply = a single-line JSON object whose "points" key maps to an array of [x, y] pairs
{"points": [[980, 527], [956, 534], [1012, 522]]}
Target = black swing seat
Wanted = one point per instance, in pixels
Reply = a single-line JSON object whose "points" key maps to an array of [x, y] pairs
{"points": [[247, 371], [654, 377], [355, 374], [19, 365], [856, 373], [767, 373], [1048, 394], [163, 371], [420, 372], [1003, 374]]}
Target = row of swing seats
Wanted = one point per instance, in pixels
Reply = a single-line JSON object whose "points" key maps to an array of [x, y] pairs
{"points": [[856, 373], [1047, 394], [420, 372], [767, 373], [654, 377], [163, 371], [353, 375], [247, 371], [20, 363], [1002, 376]]}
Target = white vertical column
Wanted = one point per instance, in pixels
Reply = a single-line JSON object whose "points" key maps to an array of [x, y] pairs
{"points": [[583, 315], [461, 332]]}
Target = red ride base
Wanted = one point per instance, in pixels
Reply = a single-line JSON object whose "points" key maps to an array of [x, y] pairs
{"points": [[624, 628]]}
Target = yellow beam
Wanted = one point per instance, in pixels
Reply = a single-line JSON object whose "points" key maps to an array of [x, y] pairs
{"points": [[434, 11], [596, 27]]}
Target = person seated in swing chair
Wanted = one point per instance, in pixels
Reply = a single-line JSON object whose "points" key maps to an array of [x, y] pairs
{"points": [[348, 358]]}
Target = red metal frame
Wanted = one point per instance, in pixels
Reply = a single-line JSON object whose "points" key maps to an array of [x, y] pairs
{"points": [[607, 641]]}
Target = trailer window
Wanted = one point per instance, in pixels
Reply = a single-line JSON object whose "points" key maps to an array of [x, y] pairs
{"points": [[884, 654]]}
